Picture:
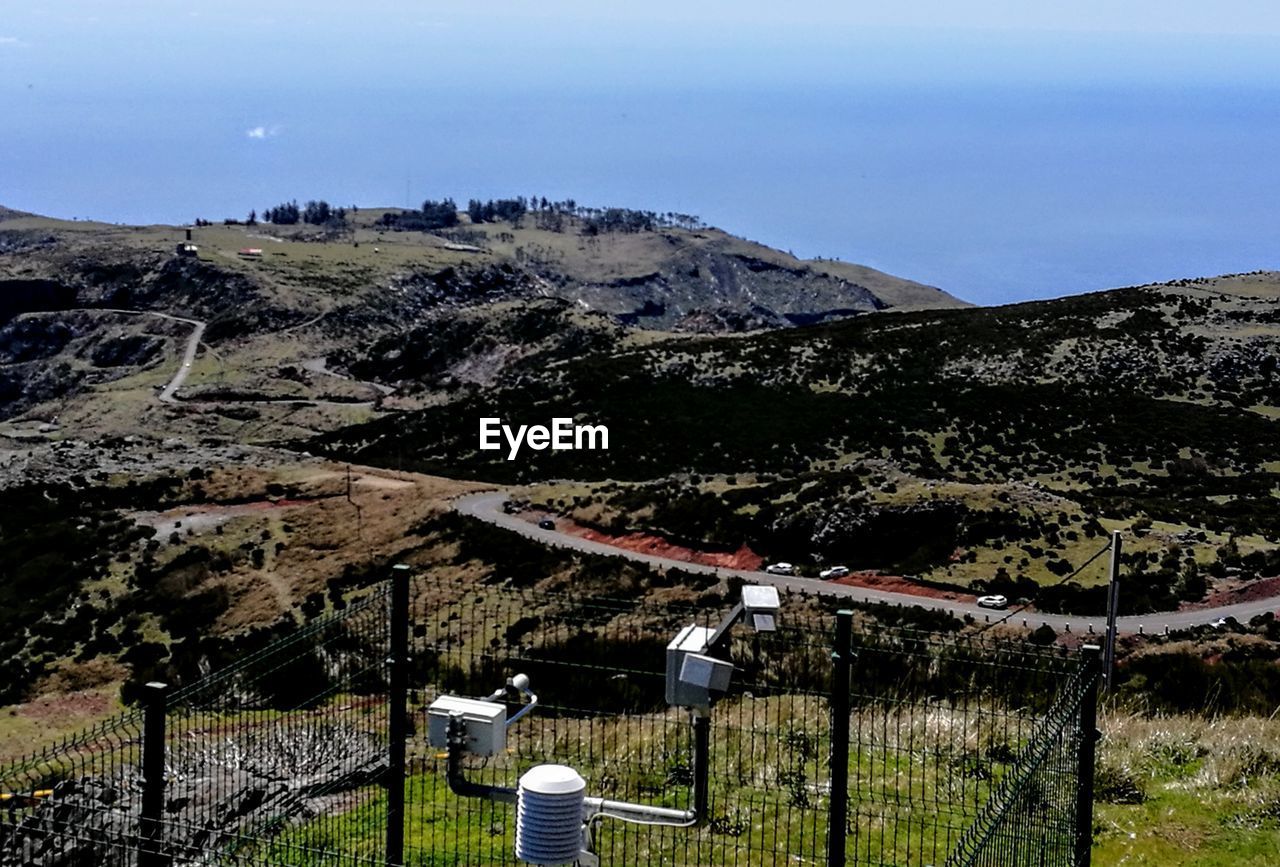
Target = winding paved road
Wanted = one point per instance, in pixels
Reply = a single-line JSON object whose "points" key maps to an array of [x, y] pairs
{"points": [[167, 394], [487, 506]]}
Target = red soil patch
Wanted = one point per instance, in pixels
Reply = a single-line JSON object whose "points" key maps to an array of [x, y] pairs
{"points": [[1265, 588], [898, 584], [656, 546], [744, 558]]}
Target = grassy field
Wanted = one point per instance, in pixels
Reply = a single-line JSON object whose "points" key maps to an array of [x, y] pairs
{"points": [[1173, 792], [1209, 798], [1188, 792], [768, 789]]}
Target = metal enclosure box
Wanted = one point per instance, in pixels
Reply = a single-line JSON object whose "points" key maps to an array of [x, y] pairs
{"points": [[486, 724], [691, 639], [706, 673]]}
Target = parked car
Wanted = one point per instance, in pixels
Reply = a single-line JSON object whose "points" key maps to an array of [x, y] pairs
{"points": [[780, 569], [834, 572], [547, 524], [994, 601]]}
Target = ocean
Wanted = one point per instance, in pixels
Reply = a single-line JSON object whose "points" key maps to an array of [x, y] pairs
{"points": [[995, 190]]}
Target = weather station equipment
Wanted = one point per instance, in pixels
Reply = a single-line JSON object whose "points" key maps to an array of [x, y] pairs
{"points": [[554, 813]]}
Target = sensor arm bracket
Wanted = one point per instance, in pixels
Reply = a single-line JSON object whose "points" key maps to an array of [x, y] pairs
{"points": [[721, 636]]}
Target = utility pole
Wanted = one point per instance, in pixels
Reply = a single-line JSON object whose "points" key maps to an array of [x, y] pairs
{"points": [[1113, 605]]}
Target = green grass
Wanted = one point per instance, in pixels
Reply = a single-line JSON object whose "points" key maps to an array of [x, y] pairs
{"points": [[768, 787], [1211, 799], [1208, 790], [1183, 829]]}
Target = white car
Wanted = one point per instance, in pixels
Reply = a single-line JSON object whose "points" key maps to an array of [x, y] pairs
{"points": [[834, 572], [780, 569], [995, 601]]}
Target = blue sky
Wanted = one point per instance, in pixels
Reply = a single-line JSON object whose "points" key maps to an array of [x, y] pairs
{"points": [[135, 40], [1145, 16]]}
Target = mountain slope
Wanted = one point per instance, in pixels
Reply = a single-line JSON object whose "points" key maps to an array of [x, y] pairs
{"points": [[277, 298], [961, 445]]}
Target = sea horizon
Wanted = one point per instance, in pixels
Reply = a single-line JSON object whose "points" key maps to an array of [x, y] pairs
{"points": [[994, 185]]}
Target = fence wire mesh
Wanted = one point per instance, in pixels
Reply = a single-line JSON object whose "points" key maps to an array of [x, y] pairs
{"points": [[960, 752], [297, 729], [598, 668], [947, 733]]}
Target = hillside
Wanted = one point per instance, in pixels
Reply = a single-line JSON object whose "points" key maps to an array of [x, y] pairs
{"points": [[87, 310], [166, 517], [946, 449], [1009, 438], [144, 394]]}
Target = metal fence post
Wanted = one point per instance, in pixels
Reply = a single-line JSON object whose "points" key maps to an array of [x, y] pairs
{"points": [[155, 710], [1113, 610], [838, 812], [1089, 734], [397, 712], [701, 769]]}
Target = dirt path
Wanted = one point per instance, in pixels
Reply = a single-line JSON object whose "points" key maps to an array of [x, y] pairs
{"points": [[321, 366], [169, 394]]}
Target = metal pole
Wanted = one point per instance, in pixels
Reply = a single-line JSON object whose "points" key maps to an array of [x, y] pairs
{"points": [[155, 711], [701, 765], [1092, 669], [838, 813], [1113, 605], [397, 712]]}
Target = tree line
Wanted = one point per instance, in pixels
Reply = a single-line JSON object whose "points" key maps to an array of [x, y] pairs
{"points": [[431, 216], [549, 215], [316, 213]]}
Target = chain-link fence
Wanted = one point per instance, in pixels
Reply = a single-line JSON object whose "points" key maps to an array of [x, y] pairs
{"points": [[315, 750]]}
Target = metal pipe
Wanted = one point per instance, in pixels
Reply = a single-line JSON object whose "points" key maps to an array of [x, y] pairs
{"points": [[701, 766], [640, 812], [460, 785], [151, 853], [1113, 610], [1091, 669], [533, 702], [397, 713]]}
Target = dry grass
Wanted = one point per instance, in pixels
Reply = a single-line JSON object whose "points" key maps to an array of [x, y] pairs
{"points": [[1188, 790]]}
